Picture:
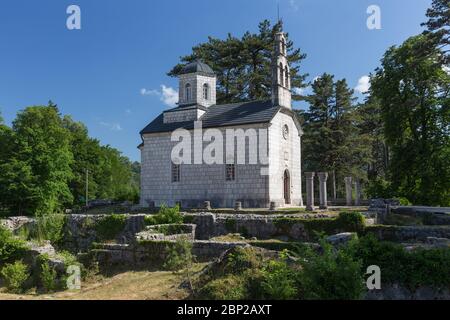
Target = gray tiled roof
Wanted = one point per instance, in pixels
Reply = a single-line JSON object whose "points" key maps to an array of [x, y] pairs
{"points": [[197, 66], [220, 116]]}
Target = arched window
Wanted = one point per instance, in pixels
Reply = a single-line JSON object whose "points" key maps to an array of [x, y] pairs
{"points": [[281, 74], [286, 76], [206, 91], [188, 94], [283, 47]]}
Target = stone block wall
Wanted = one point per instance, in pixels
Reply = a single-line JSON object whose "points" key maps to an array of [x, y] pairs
{"points": [[284, 154], [199, 182], [408, 233]]}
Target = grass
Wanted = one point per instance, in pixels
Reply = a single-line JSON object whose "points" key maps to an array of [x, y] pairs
{"points": [[139, 285]]}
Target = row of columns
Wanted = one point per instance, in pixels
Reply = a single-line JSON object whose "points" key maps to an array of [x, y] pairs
{"points": [[323, 201]]}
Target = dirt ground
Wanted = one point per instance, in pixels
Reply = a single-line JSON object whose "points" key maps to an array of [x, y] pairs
{"points": [[142, 285]]}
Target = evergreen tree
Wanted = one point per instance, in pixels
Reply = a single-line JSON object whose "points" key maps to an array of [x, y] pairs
{"points": [[243, 66], [333, 142], [438, 24]]}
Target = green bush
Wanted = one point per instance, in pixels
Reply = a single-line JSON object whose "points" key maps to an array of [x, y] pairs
{"points": [[279, 281], [179, 255], [165, 215], [15, 275], [403, 201], [230, 287], [331, 275], [11, 248], [48, 275], [409, 268], [351, 221], [379, 188], [110, 226], [242, 259], [49, 227]]}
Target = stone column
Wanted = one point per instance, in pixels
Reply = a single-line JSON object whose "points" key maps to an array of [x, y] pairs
{"points": [[323, 176], [207, 205], [348, 190], [309, 190], [357, 193]]}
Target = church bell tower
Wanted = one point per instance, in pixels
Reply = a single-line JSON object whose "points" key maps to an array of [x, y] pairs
{"points": [[281, 77]]}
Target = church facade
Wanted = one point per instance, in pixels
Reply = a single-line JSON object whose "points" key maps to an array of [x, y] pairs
{"points": [[264, 130]]}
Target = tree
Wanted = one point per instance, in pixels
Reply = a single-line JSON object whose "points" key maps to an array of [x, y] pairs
{"points": [[318, 133], [438, 24], [243, 66], [413, 90], [333, 142], [86, 152], [38, 168]]}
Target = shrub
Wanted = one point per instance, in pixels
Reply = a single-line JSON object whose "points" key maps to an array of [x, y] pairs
{"points": [[351, 221], [230, 287], [279, 281], [165, 215], [179, 256], [49, 227], [379, 188], [48, 275], [11, 248], [403, 201], [241, 259], [15, 276], [409, 268], [330, 275], [110, 226]]}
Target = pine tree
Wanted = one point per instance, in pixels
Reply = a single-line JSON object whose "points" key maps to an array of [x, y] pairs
{"points": [[243, 65], [438, 24]]}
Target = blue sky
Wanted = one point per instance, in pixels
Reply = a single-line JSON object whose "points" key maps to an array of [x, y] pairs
{"points": [[97, 74]]}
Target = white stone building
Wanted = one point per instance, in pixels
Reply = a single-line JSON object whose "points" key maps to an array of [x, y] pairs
{"points": [[165, 179]]}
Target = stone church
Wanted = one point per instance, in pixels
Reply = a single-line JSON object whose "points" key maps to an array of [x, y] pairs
{"points": [[165, 181]]}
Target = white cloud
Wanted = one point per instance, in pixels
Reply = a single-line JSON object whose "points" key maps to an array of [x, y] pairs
{"points": [[128, 111], [168, 95], [111, 126], [363, 84], [146, 92]]}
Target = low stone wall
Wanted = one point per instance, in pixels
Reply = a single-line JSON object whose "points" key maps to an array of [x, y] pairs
{"points": [[429, 215], [408, 233], [81, 233], [167, 232], [259, 226], [152, 254]]}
